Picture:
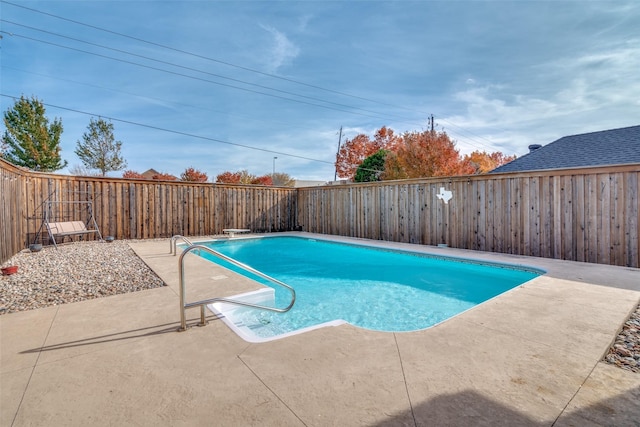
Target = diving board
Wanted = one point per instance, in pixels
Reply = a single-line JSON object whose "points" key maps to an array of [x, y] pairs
{"points": [[231, 232]]}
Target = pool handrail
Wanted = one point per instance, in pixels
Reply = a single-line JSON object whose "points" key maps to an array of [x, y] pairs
{"points": [[203, 303], [172, 243]]}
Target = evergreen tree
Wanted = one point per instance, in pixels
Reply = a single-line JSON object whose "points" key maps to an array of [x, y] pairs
{"points": [[98, 149], [372, 167], [29, 140]]}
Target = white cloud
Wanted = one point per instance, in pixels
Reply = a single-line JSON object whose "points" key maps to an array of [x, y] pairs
{"points": [[579, 94], [282, 51]]}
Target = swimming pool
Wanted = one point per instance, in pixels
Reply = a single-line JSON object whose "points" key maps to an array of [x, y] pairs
{"points": [[372, 288]]}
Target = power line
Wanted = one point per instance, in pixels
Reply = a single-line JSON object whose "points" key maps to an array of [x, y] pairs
{"points": [[378, 115], [216, 60], [198, 78], [431, 121], [177, 132], [191, 135], [275, 76], [469, 132], [189, 68], [146, 97]]}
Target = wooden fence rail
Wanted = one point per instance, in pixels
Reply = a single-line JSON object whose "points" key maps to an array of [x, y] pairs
{"points": [[586, 215]]}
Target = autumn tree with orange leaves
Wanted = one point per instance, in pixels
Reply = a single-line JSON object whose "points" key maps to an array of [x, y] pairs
{"points": [[354, 151], [132, 175], [228, 178], [425, 154], [194, 175], [482, 162], [243, 177], [262, 180]]}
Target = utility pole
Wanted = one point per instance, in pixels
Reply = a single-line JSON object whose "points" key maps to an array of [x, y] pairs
{"points": [[432, 124], [335, 176]]}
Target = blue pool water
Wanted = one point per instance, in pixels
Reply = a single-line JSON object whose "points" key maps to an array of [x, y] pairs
{"points": [[367, 287]]}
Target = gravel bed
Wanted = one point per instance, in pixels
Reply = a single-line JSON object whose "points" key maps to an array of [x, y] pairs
{"points": [[87, 270], [625, 351], [74, 272]]}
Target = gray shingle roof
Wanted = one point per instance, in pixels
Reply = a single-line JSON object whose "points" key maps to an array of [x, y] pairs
{"points": [[607, 147]]}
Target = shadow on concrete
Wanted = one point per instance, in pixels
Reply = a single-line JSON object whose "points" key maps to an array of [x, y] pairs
{"points": [[470, 408], [622, 410], [120, 336]]}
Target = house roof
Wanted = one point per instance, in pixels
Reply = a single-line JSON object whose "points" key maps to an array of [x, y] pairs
{"points": [[149, 174], [607, 147]]}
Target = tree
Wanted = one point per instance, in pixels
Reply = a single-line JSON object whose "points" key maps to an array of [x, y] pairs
{"points": [[228, 178], [372, 168], [164, 177], [281, 179], [425, 154], [385, 138], [353, 152], [132, 175], [243, 177], [246, 177], [29, 140], [194, 175], [262, 180], [82, 171], [483, 162], [99, 150]]}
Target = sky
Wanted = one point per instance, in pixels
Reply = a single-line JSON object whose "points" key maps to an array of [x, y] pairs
{"points": [[268, 85]]}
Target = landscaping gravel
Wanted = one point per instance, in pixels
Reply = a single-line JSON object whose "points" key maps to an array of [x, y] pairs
{"points": [[625, 351], [87, 270], [74, 272]]}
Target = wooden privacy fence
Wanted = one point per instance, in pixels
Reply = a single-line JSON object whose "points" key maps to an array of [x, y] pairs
{"points": [[12, 227], [581, 214], [136, 209]]}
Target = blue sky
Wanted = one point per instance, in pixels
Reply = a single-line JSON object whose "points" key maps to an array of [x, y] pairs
{"points": [[229, 85]]}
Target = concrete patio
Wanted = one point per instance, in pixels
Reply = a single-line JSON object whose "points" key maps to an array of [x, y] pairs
{"points": [[532, 357]]}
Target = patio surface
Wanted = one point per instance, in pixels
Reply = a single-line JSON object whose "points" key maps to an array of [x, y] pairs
{"points": [[529, 357]]}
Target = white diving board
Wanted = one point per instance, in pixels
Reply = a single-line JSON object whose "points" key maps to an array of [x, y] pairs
{"points": [[231, 232]]}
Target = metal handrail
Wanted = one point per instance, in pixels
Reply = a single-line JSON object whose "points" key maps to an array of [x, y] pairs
{"points": [[172, 243], [202, 303]]}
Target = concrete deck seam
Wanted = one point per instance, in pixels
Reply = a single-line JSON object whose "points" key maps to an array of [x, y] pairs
{"points": [[35, 364], [575, 394], [249, 345], [404, 379], [272, 391]]}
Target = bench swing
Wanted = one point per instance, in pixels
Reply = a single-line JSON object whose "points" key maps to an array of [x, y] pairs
{"points": [[60, 223]]}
